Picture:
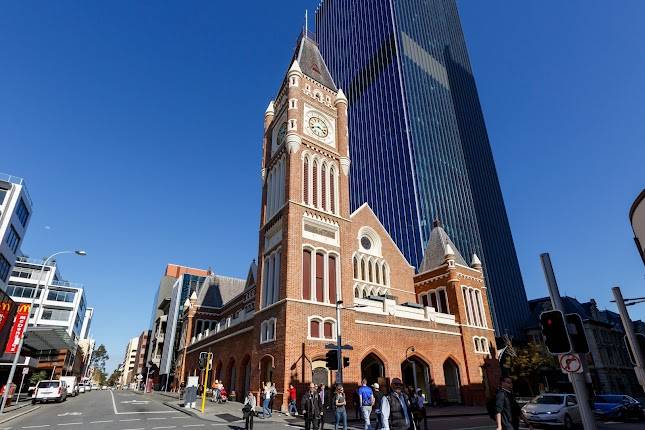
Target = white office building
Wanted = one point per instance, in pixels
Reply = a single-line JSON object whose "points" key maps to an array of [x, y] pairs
{"points": [[15, 213], [129, 361]]}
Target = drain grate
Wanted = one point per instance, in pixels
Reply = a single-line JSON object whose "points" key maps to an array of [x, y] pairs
{"points": [[228, 417]]}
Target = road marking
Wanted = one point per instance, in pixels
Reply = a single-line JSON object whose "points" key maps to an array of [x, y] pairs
{"points": [[194, 425], [156, 418], [69, 424], [103, 421], [34, 427], [131, 419], [166, 427], [139, 428], [70, 413], [136, 413], [178, 418], [136, 402]]}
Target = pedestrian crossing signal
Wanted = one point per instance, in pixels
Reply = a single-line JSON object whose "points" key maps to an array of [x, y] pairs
{"points": [[554, 331], [331, 359]]}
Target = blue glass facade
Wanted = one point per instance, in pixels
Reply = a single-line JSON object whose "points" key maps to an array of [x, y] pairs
{"points": [[418, 141]]}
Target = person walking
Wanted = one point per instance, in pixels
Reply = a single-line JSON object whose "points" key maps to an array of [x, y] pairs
{"points": [[266, 400], [293, 408], [509, 413], [272, 393], [378, 397], [417, 403], [311, 408], [395, 408], [366, 397], [324, 401], [339, 403], [248, 409]]}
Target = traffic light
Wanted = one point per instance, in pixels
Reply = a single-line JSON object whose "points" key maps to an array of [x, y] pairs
{"points": [[345, 361], [554, 331], [577, 334], [331, 359], [203, 358], [641, 343]]}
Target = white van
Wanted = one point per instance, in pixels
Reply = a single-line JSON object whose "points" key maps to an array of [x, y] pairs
{"points": [[50, 391], [72, 385]]}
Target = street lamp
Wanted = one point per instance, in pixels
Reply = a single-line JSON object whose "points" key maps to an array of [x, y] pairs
{"points": [[14, 364], [339, 343]]}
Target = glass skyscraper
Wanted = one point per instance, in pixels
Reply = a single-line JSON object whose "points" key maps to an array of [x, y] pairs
{"points": [[418, 142]]}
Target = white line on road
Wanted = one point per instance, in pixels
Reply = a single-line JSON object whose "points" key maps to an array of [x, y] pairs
{"points": [[178, 418], [165, 427], [194, 425], [131, 419], [102, 421], [157, 418], [34, 427], [69, 424]]}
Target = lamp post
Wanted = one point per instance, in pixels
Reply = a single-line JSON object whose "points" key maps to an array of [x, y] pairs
{"points": [[14, 364], [339, 343]]}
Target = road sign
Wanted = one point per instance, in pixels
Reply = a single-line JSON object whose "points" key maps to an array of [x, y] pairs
{"points": [[25, 370], [333, 346], [570, 363]]}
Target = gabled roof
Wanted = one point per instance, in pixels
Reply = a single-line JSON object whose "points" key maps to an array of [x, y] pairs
{"points": [[219, 290], [434, 255], [311, 61], [252, 275]]}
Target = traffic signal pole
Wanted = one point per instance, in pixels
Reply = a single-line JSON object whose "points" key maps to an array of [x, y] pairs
{"points": [[631, 336], [576, 379], [339, 345]]}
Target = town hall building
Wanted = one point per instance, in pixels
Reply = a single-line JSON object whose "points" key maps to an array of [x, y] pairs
{"points": [[432, 329]]}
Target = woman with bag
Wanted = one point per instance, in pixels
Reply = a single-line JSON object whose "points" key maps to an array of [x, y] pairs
{"points": [[339, 402], [249, 411]]}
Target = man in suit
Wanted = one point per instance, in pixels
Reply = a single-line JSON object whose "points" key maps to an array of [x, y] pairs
{"points": [[312, 408]]}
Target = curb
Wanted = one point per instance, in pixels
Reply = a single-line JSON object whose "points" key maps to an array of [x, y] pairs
{"points": [[184, 411], [19, 414]]}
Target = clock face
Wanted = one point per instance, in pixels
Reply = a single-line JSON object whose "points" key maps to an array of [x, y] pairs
{"points": [[318, 126], [282, 132]]}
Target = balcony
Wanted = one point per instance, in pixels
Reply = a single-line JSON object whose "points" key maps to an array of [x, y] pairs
{"points": [[67, 284]]}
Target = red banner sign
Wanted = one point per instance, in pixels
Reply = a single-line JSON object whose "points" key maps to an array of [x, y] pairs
{"points": [[5, 310], [18, 329]]}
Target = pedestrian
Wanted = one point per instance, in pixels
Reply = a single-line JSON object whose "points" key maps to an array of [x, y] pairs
{"points": [[248, 409], [311, 408], [324, 401], [395, 408], [339, 403], [366, 397], [272, 394], [378, 397], [266, 400], [419, 409], [508, 412], [356, 401], [293, 408]]}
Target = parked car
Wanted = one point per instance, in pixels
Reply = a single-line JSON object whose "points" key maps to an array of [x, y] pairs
{"points": [[81, 388], [95, 387], [553, 410], [47, 391], [104, 387], [72, 385], [617, 407]]}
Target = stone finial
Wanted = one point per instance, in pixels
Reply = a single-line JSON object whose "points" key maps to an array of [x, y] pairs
{"points": [[293, 142], [295, 68], [340, 97], [344, 164], [270, 109], [186, 303], [193, 297], [476, 262], [263, 172]]}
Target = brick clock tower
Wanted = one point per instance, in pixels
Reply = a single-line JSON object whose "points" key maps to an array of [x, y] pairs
{"points": [[305, 204]]}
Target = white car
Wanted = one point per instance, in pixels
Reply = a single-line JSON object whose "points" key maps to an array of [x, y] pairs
{"points": [[553, 410], [81, 388], [50, 391]]}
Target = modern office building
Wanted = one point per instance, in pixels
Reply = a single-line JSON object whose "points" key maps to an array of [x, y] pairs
{"points": [[418, 140], [58, 316], [15, 213], [129, 361], [637, 219]]}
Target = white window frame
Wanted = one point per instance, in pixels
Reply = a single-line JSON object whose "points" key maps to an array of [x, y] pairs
{"points": [[265, 326], [321, 321]]}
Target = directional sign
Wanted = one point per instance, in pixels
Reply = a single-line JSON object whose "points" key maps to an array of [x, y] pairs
{"points": [[570, 363], [25, 370], [333, 346]]}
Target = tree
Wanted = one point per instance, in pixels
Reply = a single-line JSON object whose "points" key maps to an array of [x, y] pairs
{"points": [[37, 377], [99, 358], [530, 364], [99, 377], [114, 378]]}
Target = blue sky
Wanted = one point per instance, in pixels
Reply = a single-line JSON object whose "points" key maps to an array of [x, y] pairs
{"points": [[137, 126]]}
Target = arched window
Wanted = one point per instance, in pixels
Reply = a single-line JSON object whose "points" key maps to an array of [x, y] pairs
{"points": [[384, 274], [320, 277], [331, 263], [378, 273], [362, 269], [424, 299], [369, 268], [306, 274], [433, 301], [332, 189], [443, 302], [355, 268], [356, 292], [314, 177], [327, 330], [314, 328], [477, 346], [305, 181], [323, 183]]}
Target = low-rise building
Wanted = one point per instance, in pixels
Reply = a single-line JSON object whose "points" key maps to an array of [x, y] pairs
{"points": [[128, 374], [608, 361]]}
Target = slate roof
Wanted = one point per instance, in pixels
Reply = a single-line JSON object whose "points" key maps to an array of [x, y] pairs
{"points": [[434, 255], [311, 61], [219, 290]]}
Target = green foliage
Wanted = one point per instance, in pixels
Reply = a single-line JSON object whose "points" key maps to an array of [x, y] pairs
{"points": [[531, 364], [99, 358], [114, 378], [99, 377], [37, 377]]}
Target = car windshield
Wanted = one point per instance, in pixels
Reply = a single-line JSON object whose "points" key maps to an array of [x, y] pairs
{"points": [[609, 399], [48, 384], [548, 400]]}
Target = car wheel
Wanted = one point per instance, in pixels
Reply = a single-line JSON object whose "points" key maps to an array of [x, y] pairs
{"points": [[568, 422], [33, 402]]}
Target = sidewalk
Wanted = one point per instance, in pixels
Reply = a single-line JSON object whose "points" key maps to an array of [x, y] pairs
{"points": [[15, 411], [230, 412]]}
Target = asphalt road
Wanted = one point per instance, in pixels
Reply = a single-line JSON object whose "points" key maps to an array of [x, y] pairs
{"points": [[123, 410]]}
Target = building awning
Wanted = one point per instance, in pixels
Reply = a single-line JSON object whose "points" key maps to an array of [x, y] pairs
{"points": [[44, 338]]}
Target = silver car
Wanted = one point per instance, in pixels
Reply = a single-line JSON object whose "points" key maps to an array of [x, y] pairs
{"points": [[553, 410]]}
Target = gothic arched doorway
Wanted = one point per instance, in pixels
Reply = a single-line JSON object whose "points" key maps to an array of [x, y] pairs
{"points": [[232, 376], [246, 376], [452, 381], [372, 368], [416, 373], [319, 372], [266, 369]]}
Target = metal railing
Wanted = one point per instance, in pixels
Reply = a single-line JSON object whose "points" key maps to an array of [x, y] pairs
{"points": [[67, 284], [18, 181]]}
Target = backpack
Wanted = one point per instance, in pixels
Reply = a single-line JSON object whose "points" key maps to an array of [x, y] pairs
{"points": [[491, 408]]}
